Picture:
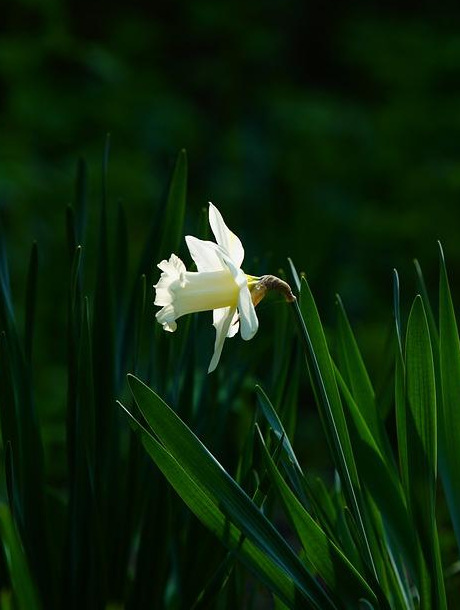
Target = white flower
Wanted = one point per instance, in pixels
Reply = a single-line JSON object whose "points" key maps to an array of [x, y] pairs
{"points": [[219, 285]]}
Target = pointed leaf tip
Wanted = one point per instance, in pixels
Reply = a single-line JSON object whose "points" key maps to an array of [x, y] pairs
{"points": [[441, 251]]}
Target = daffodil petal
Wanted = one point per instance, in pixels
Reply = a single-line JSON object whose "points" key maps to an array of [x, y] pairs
{"points": [[224, 237], [167, 318], [219, 314], [248, 317], [249, 323], [173, 266], [222, 328], [173, 272], [234, 325], [205, 254]]}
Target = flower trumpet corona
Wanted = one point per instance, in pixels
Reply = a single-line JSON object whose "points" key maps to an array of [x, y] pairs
{"points": [[219, 284]]}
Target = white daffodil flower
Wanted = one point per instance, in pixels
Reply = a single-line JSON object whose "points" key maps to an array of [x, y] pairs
{"points": [[219, 285]]}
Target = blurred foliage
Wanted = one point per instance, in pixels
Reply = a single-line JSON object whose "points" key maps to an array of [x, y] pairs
{"points": [[341, 120]]}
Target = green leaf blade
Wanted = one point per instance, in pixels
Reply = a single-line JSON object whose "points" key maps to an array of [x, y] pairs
{"points": [[400, 387], [449, 411], [174, 212], [214, 519], [386, 489], [355, 373], [222, 490], [322, 554], [422, 452], [331, 410], [421, 402], [24, 589]]}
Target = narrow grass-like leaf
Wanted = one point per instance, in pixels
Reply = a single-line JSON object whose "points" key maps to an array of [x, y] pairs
{"points": [[28, 456], [103, 342], [152, 569], [400, 387], [384, 385], [165, 237], [84, 578], [295, 275], [421, 402], [324, 380], [74, 316], [449, 409], [107, 429], [265, 568], [211, 515], [397, 307], [325, 510], [323, 557], [173, 219], [27, 446], [345, 529], [289, 398], [149, 504], [422, 452], [448, 359], [85, 424], [274, 421], [24, 590], [220, 489], [301, 484], [331, 410], [355, 373], [197, 557], [215, 584], [385, 488], [75, 283], [103, 335], [283, 357], [121, 258]]}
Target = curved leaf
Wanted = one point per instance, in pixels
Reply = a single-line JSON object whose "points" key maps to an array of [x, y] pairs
{"points": [[222, 491]]}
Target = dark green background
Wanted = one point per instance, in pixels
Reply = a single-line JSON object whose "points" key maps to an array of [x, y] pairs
{"points": [[325, 131], [329, 132]]}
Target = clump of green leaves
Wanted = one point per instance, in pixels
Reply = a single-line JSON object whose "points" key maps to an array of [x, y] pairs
{"points": [[371, 541], [112, 535]]}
